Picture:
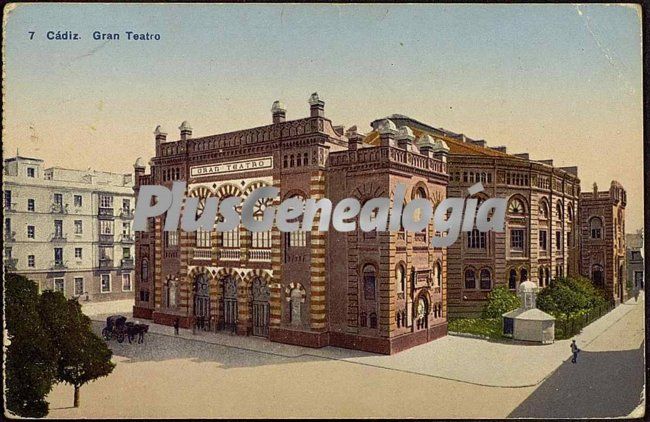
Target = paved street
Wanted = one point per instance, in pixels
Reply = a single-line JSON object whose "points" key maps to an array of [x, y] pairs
{"points": [[219, 375]]}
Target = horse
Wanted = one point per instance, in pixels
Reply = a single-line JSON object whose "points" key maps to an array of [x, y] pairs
{"points": [[139, 329]]}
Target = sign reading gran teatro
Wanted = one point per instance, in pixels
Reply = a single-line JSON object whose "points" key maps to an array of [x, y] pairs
{"points": [[232, 167]]}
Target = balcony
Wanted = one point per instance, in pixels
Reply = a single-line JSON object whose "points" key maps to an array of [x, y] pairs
{"points": [[127, 238], [106, 239], [105, 263], [10, 264], [202, 254], [10, 207], [127, 264], [59, 266], [127, 214], [10, 237], [58, 208], [230, 254], [106, 214], [259, 255], [58, 238]]}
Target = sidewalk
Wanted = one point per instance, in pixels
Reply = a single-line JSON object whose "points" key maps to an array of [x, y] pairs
{"points": [[474, 361]]}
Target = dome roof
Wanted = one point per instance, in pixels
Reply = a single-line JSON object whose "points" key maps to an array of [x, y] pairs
{"points": [[185, 126], [313, 99], [159, 131], [387, 126], [425, 141], [440, 145], [278, 106], [527, 286], [138, 162], [405, 132]]}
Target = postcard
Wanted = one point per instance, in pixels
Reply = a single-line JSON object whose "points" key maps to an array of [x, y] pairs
{"points": [[327, 210]]}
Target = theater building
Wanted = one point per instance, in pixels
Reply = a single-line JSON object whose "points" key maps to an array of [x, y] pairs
{"points": [[602, 217], [540, 240], [379, 292]]}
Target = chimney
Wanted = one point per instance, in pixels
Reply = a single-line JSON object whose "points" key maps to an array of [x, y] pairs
{"points": [[316, 105], [501, 148], [355, 139], [547, 162], [279, 112], [161, 135], [524, 155], [387, 132], [186, 130], [595, 190], [405, 138]]}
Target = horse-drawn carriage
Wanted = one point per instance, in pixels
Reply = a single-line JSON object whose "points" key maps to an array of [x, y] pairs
{"points": [[117, 327]]}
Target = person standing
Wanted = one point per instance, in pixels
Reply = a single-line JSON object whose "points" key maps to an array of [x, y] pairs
{"points": [[575, 351], [176, 324]]}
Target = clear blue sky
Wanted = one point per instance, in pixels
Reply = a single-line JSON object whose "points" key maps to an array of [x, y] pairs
{"points": [[558, 81]]}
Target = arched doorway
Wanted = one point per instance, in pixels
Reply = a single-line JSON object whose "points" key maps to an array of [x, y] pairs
{"points": [[202, 301], [260, 304], [422, 313], [229, 299], [597, 276]]}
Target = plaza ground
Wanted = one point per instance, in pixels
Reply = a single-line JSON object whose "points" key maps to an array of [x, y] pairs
{"points": [[220, 375]]}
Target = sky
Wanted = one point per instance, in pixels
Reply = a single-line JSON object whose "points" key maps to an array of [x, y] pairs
{"points": [[557, 81]]}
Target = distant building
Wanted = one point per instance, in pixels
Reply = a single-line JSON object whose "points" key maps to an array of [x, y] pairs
{"points": [[540, 238], [602, 221], [635, 259], [69, 230]]}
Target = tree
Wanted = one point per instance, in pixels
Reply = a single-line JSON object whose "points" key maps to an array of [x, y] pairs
{"points": [[83, 356], [500, 301], [31, 358]]}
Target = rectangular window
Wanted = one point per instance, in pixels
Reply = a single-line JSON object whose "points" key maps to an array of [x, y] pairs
{"points": [[126, 282], [105, 227], [31, 232], [78, 286], [543, 241], [78, 227], [106, 253], [31, 172], [297, 239], [7, 199], [58, 198], [171, 238], [78, 253], [517, 239], [106, 283], [126, 204], [58, 228], [58, 256], [59, 285], [126, 253], [476, 239], [31, 206], [558, 240], [126, 229], [31, 261], [202, 238], [261, 240], [105, 201], [78, 201], [231, 238]]}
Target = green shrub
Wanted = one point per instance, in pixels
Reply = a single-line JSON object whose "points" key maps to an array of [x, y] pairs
{"points": [[500, 301], [488, 327], [568, 296]]}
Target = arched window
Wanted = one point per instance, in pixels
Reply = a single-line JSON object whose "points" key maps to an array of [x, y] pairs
{"points": [[470, 279], [437, 274], [512, 279], [523, 275], [400, 278], [597, 275], [296, 305], [298, 160], [144, 271], [540, 277], [486, 279], [596, 227], [558, 210], [373, 320], [369, 282], [291, 161], [516, 207], [305, 159], [398, 318], [363, 319], [543, 210], [170, 293]]}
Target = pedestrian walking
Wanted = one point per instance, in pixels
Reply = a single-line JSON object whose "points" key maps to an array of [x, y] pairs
{"points": [[176, 324], [575, 351]]}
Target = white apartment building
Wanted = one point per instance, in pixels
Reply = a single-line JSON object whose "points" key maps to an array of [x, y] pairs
{"points": [[69, 230]]}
